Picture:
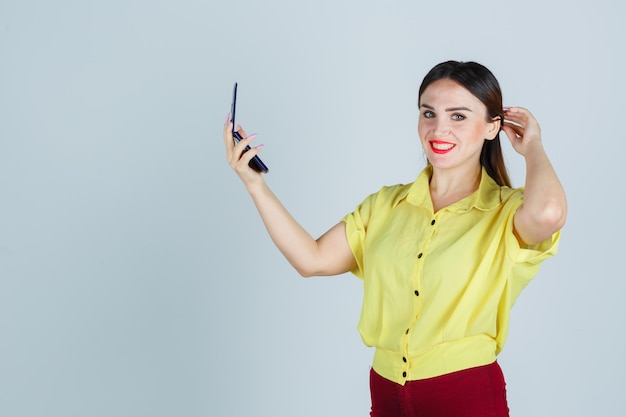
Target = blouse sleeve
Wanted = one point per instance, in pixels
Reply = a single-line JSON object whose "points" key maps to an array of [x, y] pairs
{"points": [[532, 254], [356, 230]]}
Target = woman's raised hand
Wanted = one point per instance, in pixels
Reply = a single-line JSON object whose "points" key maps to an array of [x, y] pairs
{"points": [[522, 128], [237, 158]]}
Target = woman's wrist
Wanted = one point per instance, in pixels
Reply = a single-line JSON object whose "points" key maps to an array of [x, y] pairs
{"points": [[256, 187]]}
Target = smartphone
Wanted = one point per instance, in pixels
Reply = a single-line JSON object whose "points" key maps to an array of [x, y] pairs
{"points": [[255, 163]]}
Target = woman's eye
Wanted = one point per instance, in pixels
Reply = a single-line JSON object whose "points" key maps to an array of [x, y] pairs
{"points": [[458, 117], [428, 114]]}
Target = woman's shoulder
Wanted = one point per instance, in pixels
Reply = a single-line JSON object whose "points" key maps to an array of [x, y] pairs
{"points": [[392, 191], [509, 193], [388, 195]]}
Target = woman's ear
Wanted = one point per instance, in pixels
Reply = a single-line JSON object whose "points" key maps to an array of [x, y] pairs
{"points": [[494, 128]]}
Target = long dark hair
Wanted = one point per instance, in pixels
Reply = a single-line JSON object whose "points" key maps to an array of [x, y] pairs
{"points": [[479, 81]]}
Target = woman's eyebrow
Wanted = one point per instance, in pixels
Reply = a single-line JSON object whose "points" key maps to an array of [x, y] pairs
{"points": [[448, 109], [458, 108]]}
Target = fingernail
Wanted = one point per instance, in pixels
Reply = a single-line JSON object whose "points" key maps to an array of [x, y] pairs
{"points": [[506, 108], [252, 136], [259, 146], [227, 118]]}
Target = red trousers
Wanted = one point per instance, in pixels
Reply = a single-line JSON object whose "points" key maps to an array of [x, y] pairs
{"points": [[475, 392]]}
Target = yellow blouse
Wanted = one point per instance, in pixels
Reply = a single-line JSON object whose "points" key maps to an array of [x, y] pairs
{"points": [[439, 287]]}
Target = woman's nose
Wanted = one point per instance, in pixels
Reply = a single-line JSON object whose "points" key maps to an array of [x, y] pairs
{"points": [[442, 127]]}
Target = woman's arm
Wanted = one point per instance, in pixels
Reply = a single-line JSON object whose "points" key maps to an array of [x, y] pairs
{"points": [[328, 255], [545, 207]]}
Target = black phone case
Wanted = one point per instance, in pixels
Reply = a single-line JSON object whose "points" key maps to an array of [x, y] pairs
{"points": [[255, 163]]}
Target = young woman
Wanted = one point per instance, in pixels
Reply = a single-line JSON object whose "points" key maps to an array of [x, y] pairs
{"points": [[442, 259]]}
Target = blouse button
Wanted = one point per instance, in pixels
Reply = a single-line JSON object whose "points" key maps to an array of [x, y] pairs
{"points": [[403, 374], [432, 223], [404, 359], [420, 255], [417, 293]]}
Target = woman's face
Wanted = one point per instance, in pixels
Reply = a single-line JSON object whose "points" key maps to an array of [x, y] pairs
{"points": [[453, 125]]}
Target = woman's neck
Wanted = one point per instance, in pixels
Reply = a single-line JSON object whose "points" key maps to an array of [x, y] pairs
{"points": [[449, 186]]}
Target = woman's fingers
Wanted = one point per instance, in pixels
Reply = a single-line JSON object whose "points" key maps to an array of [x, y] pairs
{"points": [[520, 116], [241, 132], [514, 116], [242, 167], [512, 134], [234, 151], [521, 127], [245, 141], [236, 154], [228, 137], [247, 156]]}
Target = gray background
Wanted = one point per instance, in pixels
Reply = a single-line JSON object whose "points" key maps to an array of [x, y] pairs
{"points": [[135, 276]]}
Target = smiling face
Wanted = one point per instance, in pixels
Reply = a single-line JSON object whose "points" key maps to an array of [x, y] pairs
{"points": [[453, 125]]}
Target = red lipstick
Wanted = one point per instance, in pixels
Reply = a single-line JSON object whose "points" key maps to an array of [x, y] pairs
{"points": [[441, 147]]}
